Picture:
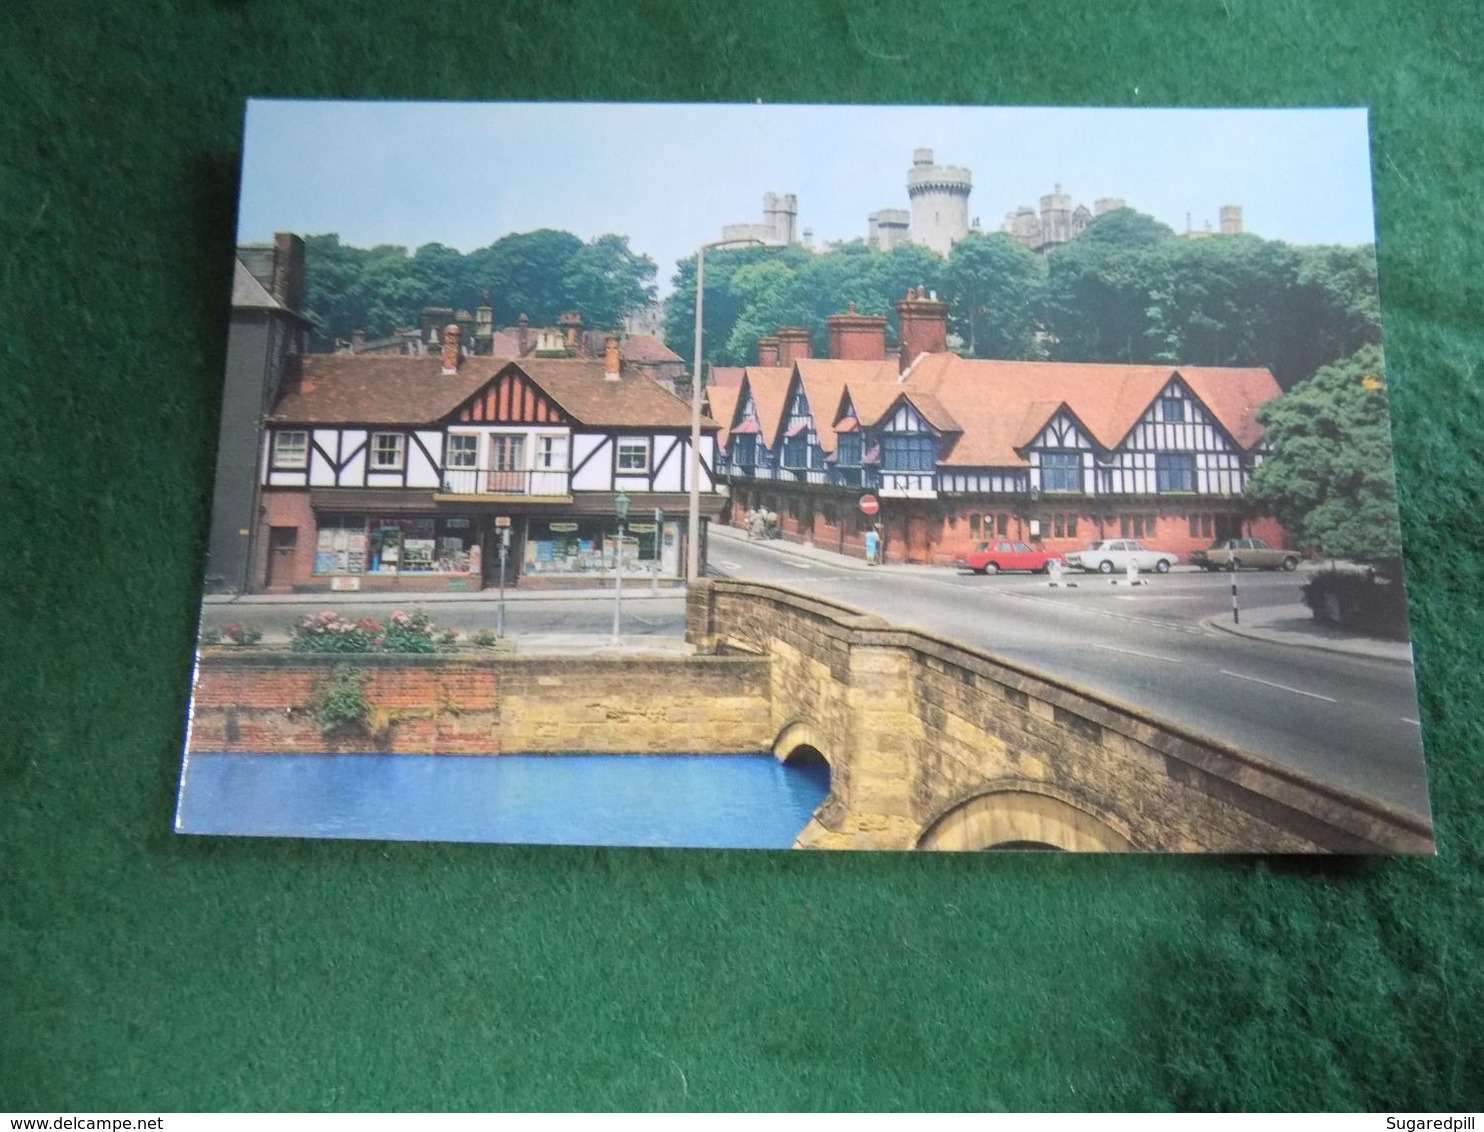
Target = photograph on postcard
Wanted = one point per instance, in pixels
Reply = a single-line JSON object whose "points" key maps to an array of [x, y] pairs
{"points": [[806, 477]]}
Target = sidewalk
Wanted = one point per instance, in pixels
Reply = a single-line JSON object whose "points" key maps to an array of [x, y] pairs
{"points": [[1294, 625], [721, 535]]}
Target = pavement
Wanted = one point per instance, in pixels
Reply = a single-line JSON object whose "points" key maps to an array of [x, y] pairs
{"points": [[637, 590], [1291, 625]]}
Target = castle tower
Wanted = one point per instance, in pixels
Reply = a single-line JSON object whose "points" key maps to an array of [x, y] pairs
{"points": [[780, 210], [888, 227], [1056, 217], [940, 202], [1231, 220]]}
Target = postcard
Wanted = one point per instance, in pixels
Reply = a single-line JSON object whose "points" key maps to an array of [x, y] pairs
{"points": [[811, 477]]}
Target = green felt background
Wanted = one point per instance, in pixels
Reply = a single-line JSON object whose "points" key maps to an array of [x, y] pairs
{"points": [[145, 971]]}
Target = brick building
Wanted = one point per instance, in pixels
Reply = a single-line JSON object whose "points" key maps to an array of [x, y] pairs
{"points": [[1053, 453]]}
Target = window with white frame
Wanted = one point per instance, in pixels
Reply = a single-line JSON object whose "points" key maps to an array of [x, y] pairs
{"points": [[1172, 410], [633, 454], [551, 453], [290, 449], [1061, 471], [462, 450], [388, 450]]}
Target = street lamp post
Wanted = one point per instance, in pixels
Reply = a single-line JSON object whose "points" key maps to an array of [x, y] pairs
{"points": [[693, 532], [621, 509]]}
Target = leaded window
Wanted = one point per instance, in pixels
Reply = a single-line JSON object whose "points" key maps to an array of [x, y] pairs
{"points": [[1061, 471], [1174, 471]]}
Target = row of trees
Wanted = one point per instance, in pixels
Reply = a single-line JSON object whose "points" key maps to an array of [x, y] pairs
{"points": [[539, 274], [1127, 290]]}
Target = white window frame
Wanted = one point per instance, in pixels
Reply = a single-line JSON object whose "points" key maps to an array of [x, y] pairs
{"points": [[290, 459], [512, 444], [448, 451], [632, 443], [376, 452], [552, 452]]}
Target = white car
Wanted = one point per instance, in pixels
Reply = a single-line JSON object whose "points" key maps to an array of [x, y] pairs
{"points": [[1113, 555]]}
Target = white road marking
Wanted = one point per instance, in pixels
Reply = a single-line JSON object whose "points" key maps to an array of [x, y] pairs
{"points": [[798, 565], [1281, 687], [1135, 652], [1417, 722]]}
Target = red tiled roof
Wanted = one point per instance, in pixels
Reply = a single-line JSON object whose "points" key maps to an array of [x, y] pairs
{"points": [[825, 379], [729, 377], [722, 403], [769, 387], [378, 389], [1001, 406]]}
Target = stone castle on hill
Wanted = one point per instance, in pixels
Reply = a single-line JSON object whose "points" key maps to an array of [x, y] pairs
{"points": [[938, 216]]}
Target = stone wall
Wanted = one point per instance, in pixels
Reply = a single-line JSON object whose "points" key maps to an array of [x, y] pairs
{"points": [[464, 704], [935, 745]]}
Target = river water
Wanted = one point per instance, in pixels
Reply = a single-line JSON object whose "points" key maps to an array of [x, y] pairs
{"points": [[745, 801]]}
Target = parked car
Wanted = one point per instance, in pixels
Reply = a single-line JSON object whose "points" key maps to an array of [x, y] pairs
{"points": [[992, 557], [1240, 552], [1109, 555]]}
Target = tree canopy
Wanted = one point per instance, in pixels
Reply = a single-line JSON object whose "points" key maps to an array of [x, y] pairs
{"points": [[539, 274], [1329, 479]]}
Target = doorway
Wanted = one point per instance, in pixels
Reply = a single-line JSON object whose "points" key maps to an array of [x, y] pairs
{"points": [[283, 543]]}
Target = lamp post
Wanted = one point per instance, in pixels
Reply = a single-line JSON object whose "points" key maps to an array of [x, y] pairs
{"points": [[621, 509], [693, 531]]}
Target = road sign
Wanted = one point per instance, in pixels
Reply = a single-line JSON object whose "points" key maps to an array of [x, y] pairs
{"points": [[870, 505], [502, 520]]}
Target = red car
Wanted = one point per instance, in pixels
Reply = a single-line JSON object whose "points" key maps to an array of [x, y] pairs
{"points": [[992, 557]]}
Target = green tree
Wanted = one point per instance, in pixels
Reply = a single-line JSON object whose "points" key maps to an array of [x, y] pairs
{"points": [[1097, 290], [995, 292], [526, 273], [1329, 479], [605, 281]]}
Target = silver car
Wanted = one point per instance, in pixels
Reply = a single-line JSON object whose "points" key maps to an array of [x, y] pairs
{"points": [[1107, 556]]}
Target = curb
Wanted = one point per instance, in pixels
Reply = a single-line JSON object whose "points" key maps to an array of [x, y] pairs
{"points": [[1271, 638]]}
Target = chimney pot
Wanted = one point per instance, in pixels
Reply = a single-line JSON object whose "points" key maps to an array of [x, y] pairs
{"points": [[451, 348]]}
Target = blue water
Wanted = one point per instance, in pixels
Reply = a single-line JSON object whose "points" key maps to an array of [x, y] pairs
{"points": [[710, 801]]}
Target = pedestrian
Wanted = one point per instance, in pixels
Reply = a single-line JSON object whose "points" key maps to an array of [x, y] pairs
{"points": [[873, 546]]}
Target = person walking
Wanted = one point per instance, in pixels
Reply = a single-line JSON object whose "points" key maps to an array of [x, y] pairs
{"points": [[873, 547]]}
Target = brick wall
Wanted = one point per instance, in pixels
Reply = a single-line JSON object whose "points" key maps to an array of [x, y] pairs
{"points": [[266, 702]]}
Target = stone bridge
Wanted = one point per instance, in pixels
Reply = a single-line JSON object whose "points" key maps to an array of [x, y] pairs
{"points": [[934, 745]]}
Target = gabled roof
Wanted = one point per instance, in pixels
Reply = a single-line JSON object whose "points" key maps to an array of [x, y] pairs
{"points": [[378, 389], [1002, 406], [721, 401], [729, 376], [824, 380], [248, 292], [769, 388]]}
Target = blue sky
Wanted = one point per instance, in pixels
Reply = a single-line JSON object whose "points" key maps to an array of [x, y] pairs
{"points": [[669, 176]]}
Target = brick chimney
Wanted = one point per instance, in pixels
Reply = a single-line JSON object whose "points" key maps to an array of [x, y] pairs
{"points": [[451, 348], [523, 335], [922, 327], [767, 351], [857, 337], [794, 342], [611, 359], [571, 323], [288, 270]]}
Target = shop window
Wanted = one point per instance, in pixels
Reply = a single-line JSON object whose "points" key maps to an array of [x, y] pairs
{"points": [[633, 454], [387, 451], [290, 449]]}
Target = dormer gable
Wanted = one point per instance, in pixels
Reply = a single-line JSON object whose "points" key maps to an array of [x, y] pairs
{"points": [[510, 397]]}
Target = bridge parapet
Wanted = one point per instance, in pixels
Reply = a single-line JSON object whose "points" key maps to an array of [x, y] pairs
{"points": [[932, 744]]}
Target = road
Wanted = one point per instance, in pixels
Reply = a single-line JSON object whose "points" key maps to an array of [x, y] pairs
{"points": [[1350, 720]]}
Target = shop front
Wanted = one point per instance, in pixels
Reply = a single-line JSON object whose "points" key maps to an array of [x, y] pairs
{"points": [[370, 551]]}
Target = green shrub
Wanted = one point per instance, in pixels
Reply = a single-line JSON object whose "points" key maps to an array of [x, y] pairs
{"points": [[1367, 603], [240, 633], [484, 638], [342, 705], [410, 632], [211, 635]]}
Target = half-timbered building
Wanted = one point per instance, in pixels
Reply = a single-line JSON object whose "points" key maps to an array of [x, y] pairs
{"points": [[408, 472], [1052, 453]]}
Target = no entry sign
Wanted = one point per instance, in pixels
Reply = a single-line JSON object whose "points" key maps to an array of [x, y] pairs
{"points": [[870, 505]]}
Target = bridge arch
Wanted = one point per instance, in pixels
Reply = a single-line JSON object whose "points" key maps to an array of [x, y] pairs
{"points": [[1015, 817], [800, 742]]}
